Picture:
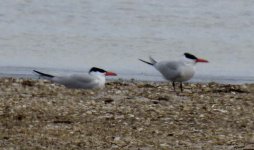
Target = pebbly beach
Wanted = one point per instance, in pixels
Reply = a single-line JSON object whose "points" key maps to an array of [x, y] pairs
{"points": [[126, 114]]}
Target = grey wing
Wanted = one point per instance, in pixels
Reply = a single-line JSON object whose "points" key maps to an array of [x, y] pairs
{"points": [[169, 69], [77, 81]]}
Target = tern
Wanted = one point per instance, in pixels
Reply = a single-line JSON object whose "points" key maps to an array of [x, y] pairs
{"points": [[94, 79], [177, 71]]}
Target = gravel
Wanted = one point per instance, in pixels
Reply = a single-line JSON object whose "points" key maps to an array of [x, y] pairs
{"points": [[37, 114]]}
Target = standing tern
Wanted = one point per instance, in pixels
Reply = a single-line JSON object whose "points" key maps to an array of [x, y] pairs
{"points": [[177, 71], [95, 79]]}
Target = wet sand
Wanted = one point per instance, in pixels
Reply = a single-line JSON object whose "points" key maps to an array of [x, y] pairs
{"points": [[36, 114]]}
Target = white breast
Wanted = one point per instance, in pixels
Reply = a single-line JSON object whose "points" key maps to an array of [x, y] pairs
{"points": [[178, 71], [186, 73]]}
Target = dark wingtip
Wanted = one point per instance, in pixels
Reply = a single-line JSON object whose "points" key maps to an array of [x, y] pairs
{"points": [[146, 62], [35, 71], [43, 74]]}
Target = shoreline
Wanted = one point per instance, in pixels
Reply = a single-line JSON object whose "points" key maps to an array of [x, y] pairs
{"points": [[26, 72], [36, 114]]}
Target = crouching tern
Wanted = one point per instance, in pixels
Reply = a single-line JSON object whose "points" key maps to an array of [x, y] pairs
{"points": [[177, 71], [94, 79]]}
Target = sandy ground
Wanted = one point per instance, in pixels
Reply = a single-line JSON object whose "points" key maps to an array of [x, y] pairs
{"points": [[125, 115]]}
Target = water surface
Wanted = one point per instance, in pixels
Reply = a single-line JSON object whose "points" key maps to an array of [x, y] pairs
{"points": [[63, 36]]}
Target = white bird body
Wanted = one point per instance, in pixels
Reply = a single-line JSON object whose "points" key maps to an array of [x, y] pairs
{"points": [[77, 81], [177, 71], [95, 79]]}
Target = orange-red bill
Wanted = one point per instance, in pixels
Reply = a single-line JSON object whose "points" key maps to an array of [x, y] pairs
{"points": [[110, 74], [202, 60]]}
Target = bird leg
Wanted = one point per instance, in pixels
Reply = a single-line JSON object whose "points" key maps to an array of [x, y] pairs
{"points": [[173, 83], [181, 86]]}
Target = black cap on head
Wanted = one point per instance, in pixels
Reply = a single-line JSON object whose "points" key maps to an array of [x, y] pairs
{"points": [[190, 56], [95, 69]]}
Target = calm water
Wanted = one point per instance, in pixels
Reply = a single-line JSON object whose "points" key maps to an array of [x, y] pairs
{"points": [[73, 35]]}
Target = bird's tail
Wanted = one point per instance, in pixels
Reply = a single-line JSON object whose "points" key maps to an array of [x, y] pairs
{"points": [[152, 60], [44, 75], [149, 63]]}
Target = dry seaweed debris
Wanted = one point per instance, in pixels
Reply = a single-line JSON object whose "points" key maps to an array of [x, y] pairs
{"points": [[125, 115]]}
